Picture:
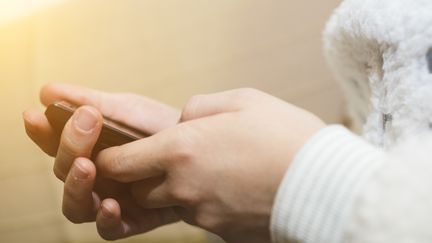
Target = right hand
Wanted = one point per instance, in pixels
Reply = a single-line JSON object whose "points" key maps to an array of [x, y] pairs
{"points": [[81, 203]]}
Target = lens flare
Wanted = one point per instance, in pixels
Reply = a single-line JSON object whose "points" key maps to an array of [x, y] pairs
{"points": [[11, 10]]}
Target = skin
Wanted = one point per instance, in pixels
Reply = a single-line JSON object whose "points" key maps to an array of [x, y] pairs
{"points": [[218, 168], [81, 203]]}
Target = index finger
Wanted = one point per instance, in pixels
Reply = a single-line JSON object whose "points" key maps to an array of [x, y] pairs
{"points": [[152, 116], [77, 95], [80, 203]]}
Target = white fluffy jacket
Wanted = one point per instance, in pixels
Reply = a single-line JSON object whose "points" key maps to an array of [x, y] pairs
{"points": [[344, 188]]}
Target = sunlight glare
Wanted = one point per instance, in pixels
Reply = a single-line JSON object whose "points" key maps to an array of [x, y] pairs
{"points": [[11, 10]]}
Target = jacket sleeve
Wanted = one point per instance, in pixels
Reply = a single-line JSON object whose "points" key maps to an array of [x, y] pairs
{"points": [[339, 188]]}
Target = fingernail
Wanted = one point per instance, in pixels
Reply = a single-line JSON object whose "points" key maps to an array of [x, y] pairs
{"points": [[106, 212], [79, 171], [85, 120]]}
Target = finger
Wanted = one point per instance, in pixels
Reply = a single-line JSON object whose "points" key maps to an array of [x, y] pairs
{"points": [[80, 204], [77, 95], [108, 220], [153, 193], [113, 223], [78, 139], [119, 107], [138, 160], [41, 132], [212, 104]]}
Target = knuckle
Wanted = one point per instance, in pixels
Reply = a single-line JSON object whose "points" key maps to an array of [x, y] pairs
{"points": [[181, 147], [189, 110], [183, 195], [241, 97], [131, 100], [65, 157], [117, 170], [70, 146], [110, 164], [83, 99], [69, 193], [244, 94]]}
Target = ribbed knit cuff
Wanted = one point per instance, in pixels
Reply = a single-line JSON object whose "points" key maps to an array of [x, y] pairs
{"points": [[315, 198]]}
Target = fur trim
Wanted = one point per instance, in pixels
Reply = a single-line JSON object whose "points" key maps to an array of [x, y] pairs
{"points": [[378, 50]]}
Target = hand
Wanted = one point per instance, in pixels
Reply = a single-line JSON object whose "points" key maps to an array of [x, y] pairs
{"points": [[80, 201], [221, 166]]}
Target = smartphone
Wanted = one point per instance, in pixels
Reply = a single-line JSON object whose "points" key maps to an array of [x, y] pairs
{"points": [[112, 134]]}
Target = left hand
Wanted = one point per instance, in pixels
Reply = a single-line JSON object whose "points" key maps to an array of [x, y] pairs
{"points": [[84, 198], [221, 166]]}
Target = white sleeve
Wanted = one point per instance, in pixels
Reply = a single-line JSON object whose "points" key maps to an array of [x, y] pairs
{"points": [[314, 201], [396, 204], [339, 188]]}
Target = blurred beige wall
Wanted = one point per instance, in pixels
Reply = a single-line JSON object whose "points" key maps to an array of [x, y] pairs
{"points": [[168, 50]]}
